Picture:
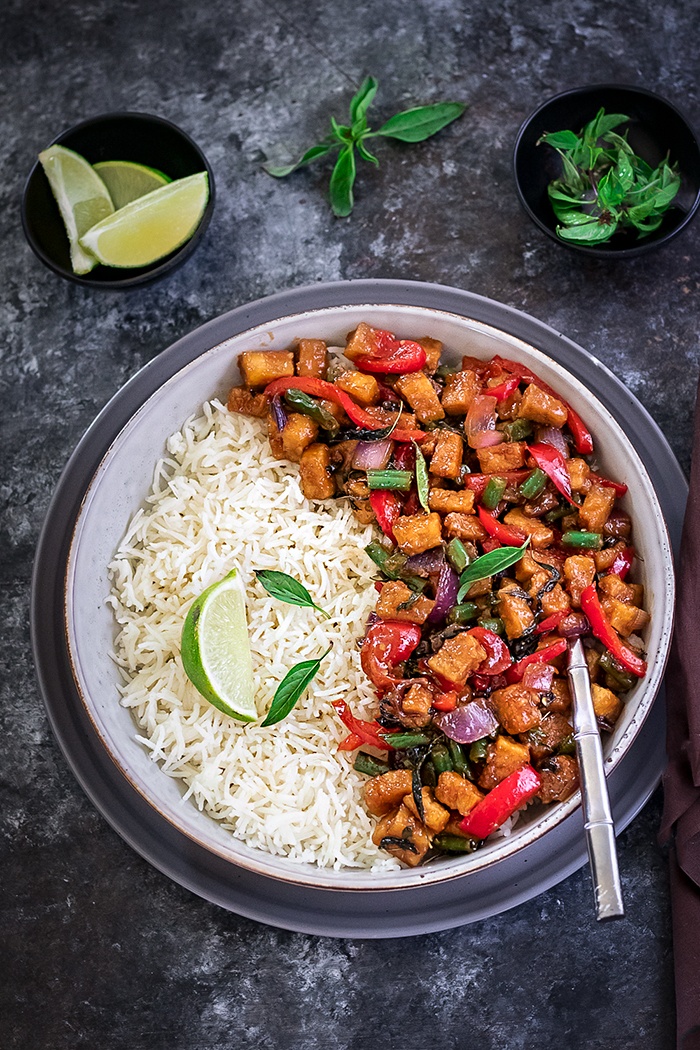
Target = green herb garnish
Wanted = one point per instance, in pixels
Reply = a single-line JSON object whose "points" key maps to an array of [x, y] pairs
{"points": [[286, 589], [488, 565], [291, 688], [422, 483], [412, 125], [604, 186]]}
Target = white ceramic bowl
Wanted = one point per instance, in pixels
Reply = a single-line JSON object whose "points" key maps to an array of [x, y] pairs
{"points": [[124, 477]]}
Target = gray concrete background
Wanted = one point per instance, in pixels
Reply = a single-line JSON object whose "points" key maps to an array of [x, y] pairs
{"points": [[99, 949]]}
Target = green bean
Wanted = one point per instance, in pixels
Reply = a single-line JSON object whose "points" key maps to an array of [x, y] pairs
{"points": [[609, 664], [477, 751], [534, 484], [492, 623], [517, 429], [463, 613], [392, 563], [399, 480], [493, 493], [457, 555], [454, 843], [441, 759], [459, 759], [365, 763], [406, 740], [590, 541]]}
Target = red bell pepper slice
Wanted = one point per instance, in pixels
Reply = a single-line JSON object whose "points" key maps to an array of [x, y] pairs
{"points": [[445, 701], [551, 622], [351, 742], [501, 802], [478, 482], [606, 633], [324, 389], [619, 487], [387, 509], [583, 440], [386, 644], [622, 562], [498, 656], [504, 389], [512, 537], [368, 732], [551, 461], [545, 655], [398, 358]]}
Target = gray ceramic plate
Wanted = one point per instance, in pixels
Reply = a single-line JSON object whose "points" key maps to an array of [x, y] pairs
{"points": [[427, 904]]}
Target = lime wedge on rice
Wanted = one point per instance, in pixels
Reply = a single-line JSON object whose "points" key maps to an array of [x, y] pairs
{"points": [[151, 227], [127, 181], [82, 198], [215, 648]]}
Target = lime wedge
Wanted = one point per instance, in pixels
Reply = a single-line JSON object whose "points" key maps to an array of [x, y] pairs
{"points": [[82, 198], [215, 649], [151, 227], [127, 181]]}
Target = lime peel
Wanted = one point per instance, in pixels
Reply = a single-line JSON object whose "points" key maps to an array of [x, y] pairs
{"points": [[126, 180], [81, 196]]}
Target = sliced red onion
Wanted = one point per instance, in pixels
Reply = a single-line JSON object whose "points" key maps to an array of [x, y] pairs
{"points": [[467, 724], [573, 625], [480, 422], [372, 455], [445, 594], [554, 437], [538, 677], [280, 416], [428, 562]]}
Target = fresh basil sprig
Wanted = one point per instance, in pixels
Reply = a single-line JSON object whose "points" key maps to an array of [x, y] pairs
{"points": [[604, 185], [488, 565], [291, 688], [422, 483], [286, 589], [412, 125]]}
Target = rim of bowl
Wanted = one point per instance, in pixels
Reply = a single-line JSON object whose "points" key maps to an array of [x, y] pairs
{"points": [[601, 253], [359, 880], [145, 274]]}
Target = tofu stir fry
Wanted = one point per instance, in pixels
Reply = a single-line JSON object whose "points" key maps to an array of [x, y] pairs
{"points": [[497, 541]]}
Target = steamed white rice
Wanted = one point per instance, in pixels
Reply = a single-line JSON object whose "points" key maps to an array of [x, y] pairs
{"points": [[221, 500]]}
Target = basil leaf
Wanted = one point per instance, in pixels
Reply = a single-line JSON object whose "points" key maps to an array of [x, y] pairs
{"points": [[589, 233], [488, 565], [360, 103], [311, 154], [421, 478], [341, 132], [342, 181], [560, 139], [365, 153], [286, 589], [415, 125], [291, 688]]}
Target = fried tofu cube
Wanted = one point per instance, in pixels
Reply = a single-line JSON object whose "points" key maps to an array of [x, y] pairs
{"points": [[515, 610], [317, 481], [541, 407], [416, 388], [312, 358], [625, 618], [540, 534], [362, 388], [415, 706], [465, 527], [260, 367], [385, 417], [456, 792], [407, 826], [596, 507], [612, 586], [560, 778], [579, 472], [460, 390], [559, 700], [362, 341], [398, 602], [436, 816], [298, 434], [241, 400], [446, 460], [579, 570], [457, 658], [495, 459], [503, 757], [447, 501], [416, 533], [555, 601], [549, 735], [385, 792], [606, 704], [516, 708], [433, 353]]}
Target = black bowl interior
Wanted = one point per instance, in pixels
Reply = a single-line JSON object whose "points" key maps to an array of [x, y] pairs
{"points": [[655, 129], [136, 137]]}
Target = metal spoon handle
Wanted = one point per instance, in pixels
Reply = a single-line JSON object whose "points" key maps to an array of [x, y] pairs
{"points": [[598, 821]]}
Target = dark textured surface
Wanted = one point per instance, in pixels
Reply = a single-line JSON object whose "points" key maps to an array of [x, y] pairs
{"points": [[99, 949]]}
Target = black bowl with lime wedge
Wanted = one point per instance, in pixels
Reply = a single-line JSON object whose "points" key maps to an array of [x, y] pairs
{"points": [[137, 137], [655, 129]]}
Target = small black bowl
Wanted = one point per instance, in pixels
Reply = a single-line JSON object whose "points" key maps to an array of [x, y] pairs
{"points": [[655, 129], [137, 137]]}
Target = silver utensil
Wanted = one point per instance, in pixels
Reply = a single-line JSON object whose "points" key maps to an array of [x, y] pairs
{"points": [[600, 830]]}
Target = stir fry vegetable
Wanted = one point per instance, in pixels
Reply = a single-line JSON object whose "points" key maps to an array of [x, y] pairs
{"points": [[497, 541]]}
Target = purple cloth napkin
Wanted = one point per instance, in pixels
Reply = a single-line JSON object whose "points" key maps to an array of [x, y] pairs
{"points": [[680, 823]]}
